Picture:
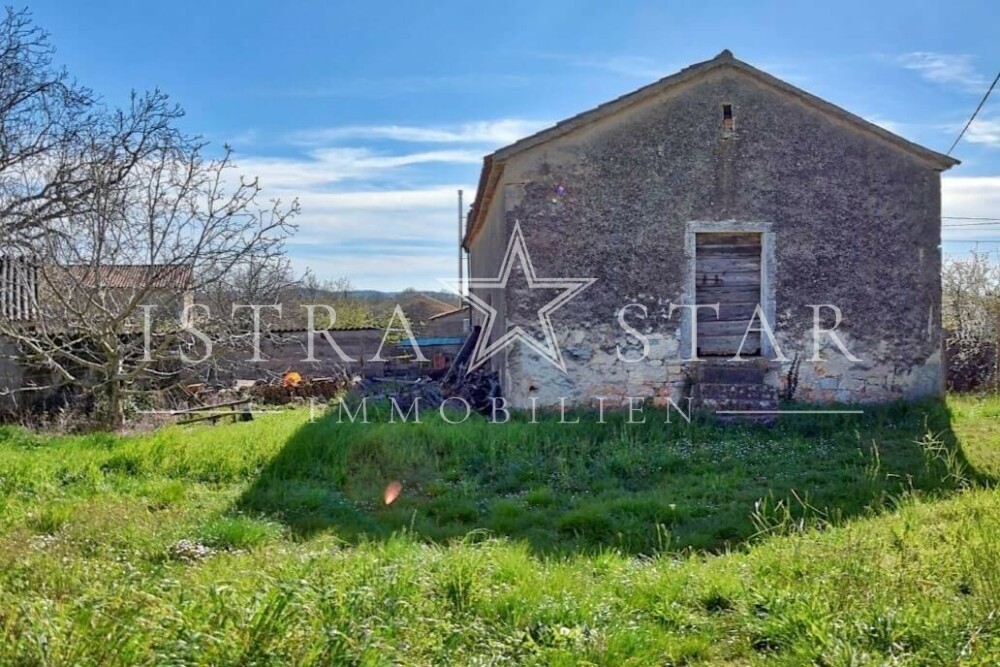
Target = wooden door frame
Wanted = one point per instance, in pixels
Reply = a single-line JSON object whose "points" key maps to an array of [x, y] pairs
{"points": [[767, 267]]}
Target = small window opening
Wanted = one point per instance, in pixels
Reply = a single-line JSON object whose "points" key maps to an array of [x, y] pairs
{"points": [[728, 125]]}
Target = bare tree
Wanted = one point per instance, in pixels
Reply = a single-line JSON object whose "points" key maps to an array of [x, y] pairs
{"points": [[47, 127], [971, 303], [264, 280], [343, 287], [112, 222]]}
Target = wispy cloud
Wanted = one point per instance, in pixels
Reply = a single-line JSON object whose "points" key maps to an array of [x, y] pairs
{"points": [[381, 239], [327, 166], [378, 201], [362, 216], [489, 132], [956, 69], [984, 131], [330, 219], [237, 139]]}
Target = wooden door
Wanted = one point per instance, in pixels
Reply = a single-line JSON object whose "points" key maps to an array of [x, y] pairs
{"points": [[727, 272]]}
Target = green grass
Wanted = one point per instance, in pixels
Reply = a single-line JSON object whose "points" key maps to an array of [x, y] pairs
{"points": [[588, 486], [833, 540]]}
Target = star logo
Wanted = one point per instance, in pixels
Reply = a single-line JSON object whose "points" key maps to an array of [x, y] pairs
{"points": [[517, 250]]}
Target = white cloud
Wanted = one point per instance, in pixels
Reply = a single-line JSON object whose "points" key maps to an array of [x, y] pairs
{"points": [[380, 239], [385, 217], [492, 133], [387, 273], [326, 166], [428, 214], [381, 200], [245, 138], [971, 196], [945, 68], [984, 131]]}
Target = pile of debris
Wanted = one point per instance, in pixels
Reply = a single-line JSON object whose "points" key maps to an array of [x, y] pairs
{"points": [[478, 388], [287, 391], [403, 392]]}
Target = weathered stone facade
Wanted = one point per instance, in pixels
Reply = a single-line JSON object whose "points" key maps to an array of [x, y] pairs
{"points": [[849, 215]]}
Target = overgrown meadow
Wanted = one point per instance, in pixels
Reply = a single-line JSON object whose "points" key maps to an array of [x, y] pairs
{"points": [[834, 540]]}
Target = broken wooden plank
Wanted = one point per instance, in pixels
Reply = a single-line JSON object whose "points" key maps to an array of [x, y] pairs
{"points": [[204, 408]]}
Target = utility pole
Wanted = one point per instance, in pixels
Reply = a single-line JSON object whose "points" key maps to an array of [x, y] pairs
{"points": [[461, 234]]}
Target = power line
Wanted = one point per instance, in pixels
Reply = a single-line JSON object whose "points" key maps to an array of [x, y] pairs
{"points": [[979, 221], [974, 113]]}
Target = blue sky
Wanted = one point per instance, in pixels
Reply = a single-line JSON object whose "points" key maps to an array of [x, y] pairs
{"points": [[374, 114]]}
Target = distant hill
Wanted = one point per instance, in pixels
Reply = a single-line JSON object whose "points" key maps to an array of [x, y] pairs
{"points": [[379, 297], [448, 298]]}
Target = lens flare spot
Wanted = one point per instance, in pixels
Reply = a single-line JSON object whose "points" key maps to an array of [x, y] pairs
{"points": [[392, 492]]}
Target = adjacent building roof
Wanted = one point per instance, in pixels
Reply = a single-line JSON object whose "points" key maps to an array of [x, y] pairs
{"points": [[493, 164], [421, 307], [463, 310], [133, 276], [297, 328], [434, 341]]}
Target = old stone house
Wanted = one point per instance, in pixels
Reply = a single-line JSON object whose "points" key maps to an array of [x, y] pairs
{"points": [[720, 184]]}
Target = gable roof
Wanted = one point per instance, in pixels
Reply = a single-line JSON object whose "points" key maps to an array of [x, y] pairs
{"points": [[493, 164]]}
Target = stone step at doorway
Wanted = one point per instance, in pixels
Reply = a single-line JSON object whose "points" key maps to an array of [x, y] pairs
{"points": [[724, 385]]}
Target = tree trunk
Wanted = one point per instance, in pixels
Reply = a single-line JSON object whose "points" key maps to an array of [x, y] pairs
{"points": [[116, 412]]}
